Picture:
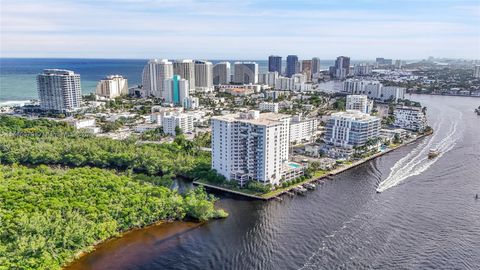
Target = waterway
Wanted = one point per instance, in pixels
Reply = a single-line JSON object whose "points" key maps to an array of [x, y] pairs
{"points": [[425, 217]]}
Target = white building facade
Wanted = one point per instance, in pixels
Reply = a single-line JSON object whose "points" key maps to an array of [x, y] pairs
{"points": [[302, 129], [245, 73], [176, 90], [411, 118], [250, 146], [221, 73], [154, 73], [203, 76], [359, 103], [170, 121], [373, 89], [268, 106], [112, 86], [59, 90], [186, 69], [351, 128]]}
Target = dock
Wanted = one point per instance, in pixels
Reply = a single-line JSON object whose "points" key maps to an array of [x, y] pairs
{"points": [[300, 188]]}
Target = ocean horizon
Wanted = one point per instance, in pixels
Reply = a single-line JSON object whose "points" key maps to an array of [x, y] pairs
{"points": [[18, 75]]}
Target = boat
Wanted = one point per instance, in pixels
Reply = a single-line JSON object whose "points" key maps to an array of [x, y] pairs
{"points": [[309, 186], [433, 153]]}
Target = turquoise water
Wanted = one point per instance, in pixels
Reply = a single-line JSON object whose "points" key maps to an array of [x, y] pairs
{"points": [[294, 165], [18, 83]]}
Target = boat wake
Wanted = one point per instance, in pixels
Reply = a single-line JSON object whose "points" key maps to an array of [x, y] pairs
{"points": [[417, 161]]}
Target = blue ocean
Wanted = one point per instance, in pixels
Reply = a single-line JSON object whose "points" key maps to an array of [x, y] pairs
{"points": [[17, 75]]}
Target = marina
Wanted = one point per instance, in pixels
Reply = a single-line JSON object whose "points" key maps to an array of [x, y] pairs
{"points": [[299, 189]]}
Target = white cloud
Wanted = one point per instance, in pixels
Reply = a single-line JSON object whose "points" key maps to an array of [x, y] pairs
{"points": [[226, 29]]}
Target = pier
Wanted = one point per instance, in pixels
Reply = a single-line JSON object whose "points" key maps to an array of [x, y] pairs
{"points": [[302, 187]]}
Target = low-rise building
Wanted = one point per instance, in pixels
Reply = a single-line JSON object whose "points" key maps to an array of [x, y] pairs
{"points": [[81, 123], [172, 120], [389, 134], [351, 129], [411, 118], [302, 129], [191, 103], [268, 106], [359, 103]]}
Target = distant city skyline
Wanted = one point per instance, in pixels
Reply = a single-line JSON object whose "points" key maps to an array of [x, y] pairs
{"points": [[251, 29]]}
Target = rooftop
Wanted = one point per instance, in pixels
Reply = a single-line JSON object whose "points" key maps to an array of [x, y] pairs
{"points": [[354, 115], [254, 117]]}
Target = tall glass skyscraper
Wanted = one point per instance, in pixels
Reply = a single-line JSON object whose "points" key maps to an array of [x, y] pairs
{"points": [[292, 62], [275, 63]]}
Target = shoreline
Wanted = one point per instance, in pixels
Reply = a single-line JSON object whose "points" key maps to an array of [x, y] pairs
{"points": [[79, 259], [276, 193]]}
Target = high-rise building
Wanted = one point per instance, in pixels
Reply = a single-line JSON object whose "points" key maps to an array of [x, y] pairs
{"points": [[398, 64], [359, 103], [176, 90], [250, 146], [292, 63], [362, 69], [112, 86], [59, 90], [203, 76], [221, 73], [185, 69], [476, 72], [246, 72], [351, 128], [315, 65], [154, 73], [268, 78], [275, 64], [342, 67], [307, 69], [381, 62]]}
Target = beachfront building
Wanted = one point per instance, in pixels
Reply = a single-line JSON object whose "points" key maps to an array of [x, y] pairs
{"points": [[411, 118], [221, 73], [302, 129], [251, 146], [203, 76], [245, 73], [153, 75], [59, 90], [351, 129], [359, 103], [186, 69], [112, 86]]}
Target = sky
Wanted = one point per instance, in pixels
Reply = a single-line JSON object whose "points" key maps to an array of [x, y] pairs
{"points": [[240, 29]]}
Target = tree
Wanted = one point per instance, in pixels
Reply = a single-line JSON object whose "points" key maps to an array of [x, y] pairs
{"points": [[178, 130]]}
